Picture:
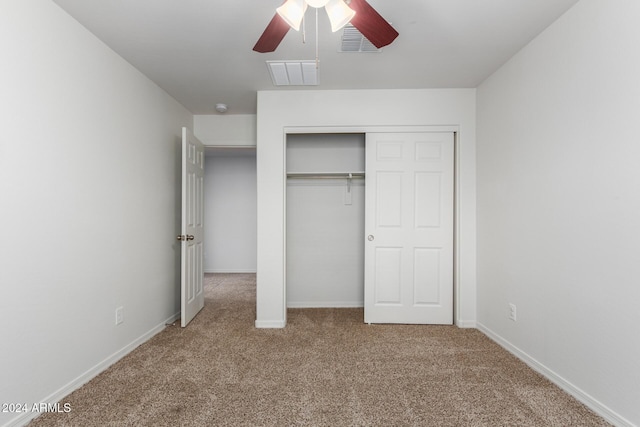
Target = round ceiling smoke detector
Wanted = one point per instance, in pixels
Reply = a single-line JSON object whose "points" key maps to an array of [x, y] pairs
{"points": [[221, 108]]}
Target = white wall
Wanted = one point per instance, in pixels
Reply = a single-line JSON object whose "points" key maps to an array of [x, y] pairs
{"points": [[559, 204], [230, 212], [229, 130], [89, 169], [325, 222], [280, 112]]}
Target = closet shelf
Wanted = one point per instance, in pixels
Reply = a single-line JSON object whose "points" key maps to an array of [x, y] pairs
{"points": [[325, 175]]}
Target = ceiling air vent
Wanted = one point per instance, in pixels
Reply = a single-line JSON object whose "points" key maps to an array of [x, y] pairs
{"points": [[354, 41], [294, 73]]}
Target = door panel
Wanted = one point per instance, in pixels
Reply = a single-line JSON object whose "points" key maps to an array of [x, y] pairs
{"points": [[388, 280], [389, 209], [426, 268], [409, 224], [192, 265], [428, 199]]}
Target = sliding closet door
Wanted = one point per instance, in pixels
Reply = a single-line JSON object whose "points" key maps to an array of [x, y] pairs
{"points": [[409, 228]]}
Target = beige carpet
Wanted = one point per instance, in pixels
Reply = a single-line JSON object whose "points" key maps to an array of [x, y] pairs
{"points": [[326, 368]]}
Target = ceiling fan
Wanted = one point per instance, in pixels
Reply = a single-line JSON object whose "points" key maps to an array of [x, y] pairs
{"points": [[360, 13]]}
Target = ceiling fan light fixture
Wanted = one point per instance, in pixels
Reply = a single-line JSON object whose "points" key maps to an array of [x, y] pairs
{"points": [[318, 3], [292, 12], [339, 14]]}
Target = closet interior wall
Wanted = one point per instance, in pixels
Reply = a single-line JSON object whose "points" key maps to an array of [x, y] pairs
{"points": [[325, 220]]}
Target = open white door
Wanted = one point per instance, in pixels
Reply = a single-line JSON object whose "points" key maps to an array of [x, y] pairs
{"points": [[409, 228], [192, 295]]}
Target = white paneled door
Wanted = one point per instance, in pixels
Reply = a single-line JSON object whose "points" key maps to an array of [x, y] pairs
{"points": [[409, 228], [192, 295]]}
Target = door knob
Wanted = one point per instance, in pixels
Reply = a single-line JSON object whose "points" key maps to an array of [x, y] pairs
{"points": [[370, 237], [181, 237], [190, 237]]}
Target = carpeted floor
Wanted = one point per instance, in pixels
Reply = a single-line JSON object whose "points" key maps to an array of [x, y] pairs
{"points": [[326, 368]]}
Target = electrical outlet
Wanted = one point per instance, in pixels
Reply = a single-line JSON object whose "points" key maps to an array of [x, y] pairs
{"points": [[119, 315], [512, 312]]}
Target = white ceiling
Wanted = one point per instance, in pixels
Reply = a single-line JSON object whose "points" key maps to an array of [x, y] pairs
{"points": [[200, 51]]}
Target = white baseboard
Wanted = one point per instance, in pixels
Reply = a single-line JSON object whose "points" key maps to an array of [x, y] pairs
{"points": [[595, 405], [84, 378], [465, 323], [250, 271], [270, 324], [325, 304]]}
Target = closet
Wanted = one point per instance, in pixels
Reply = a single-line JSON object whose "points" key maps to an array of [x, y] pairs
{"points": [[370, 222], [325, 220]]}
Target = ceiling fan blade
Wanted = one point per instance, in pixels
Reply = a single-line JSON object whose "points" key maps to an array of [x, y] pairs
{"points": [[272, 35], [373, 26]]}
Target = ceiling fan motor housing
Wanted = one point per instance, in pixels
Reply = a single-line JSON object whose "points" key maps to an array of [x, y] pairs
{"points": [[317, 3]]}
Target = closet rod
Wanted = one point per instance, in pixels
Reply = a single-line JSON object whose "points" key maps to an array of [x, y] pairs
{"points": [[325, 175]]}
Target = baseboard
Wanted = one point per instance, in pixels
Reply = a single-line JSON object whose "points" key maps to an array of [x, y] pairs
{"points": [[217, 271], [84, 378], [270, 324], [595, 405], [465, 323], [325, 304]]}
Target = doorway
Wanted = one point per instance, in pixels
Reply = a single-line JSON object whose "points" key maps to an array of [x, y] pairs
{"points": [[230, 210]]}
